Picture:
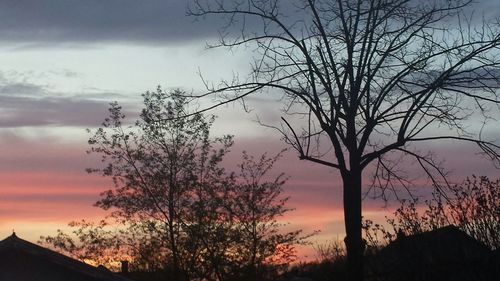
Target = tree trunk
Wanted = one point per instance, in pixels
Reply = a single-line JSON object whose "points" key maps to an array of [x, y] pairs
{"points": [[175, 258], [352, 220], [172, 233]]}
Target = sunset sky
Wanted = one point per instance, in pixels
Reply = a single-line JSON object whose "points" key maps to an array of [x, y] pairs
{"points": [[63, 61]]}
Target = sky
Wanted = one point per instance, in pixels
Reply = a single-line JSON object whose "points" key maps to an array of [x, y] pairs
{"points": [[63, 61]]}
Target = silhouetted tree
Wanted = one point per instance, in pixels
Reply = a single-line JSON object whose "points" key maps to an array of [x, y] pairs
{"points": [[174, 208], [240, 227], [95, 243], [263, 249], [156, 165], [371, 79], [473, 206]]}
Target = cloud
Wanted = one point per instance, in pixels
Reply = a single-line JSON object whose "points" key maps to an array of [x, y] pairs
{"points": [[42, 22], [27, 104], [73, 21], [18, 88], [47, 111]]}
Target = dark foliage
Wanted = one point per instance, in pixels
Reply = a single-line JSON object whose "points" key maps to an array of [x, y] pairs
{"points": [[174, 210]]}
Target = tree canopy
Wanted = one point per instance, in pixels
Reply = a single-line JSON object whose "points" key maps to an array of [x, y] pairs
{"points": [[174, 209]]}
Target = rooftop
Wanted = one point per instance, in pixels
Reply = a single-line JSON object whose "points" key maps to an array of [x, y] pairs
{"points": [[21, 260]]}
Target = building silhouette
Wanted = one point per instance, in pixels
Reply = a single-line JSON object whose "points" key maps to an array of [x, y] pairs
{"points": [[446, 253], [21, 260]]}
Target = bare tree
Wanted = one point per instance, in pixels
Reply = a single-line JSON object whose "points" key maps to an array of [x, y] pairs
{"points": [[372, 80]]}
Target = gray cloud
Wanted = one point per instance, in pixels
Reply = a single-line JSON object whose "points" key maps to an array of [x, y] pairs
{"points": [[42, 22], [19, 88], [46, 111], [69, 21], [27, 104]]}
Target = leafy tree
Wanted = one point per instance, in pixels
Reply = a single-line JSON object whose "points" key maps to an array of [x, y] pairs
{"points": [[174, 208], [239, 225], [156, 165], [373, 80], [257, 207]]}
